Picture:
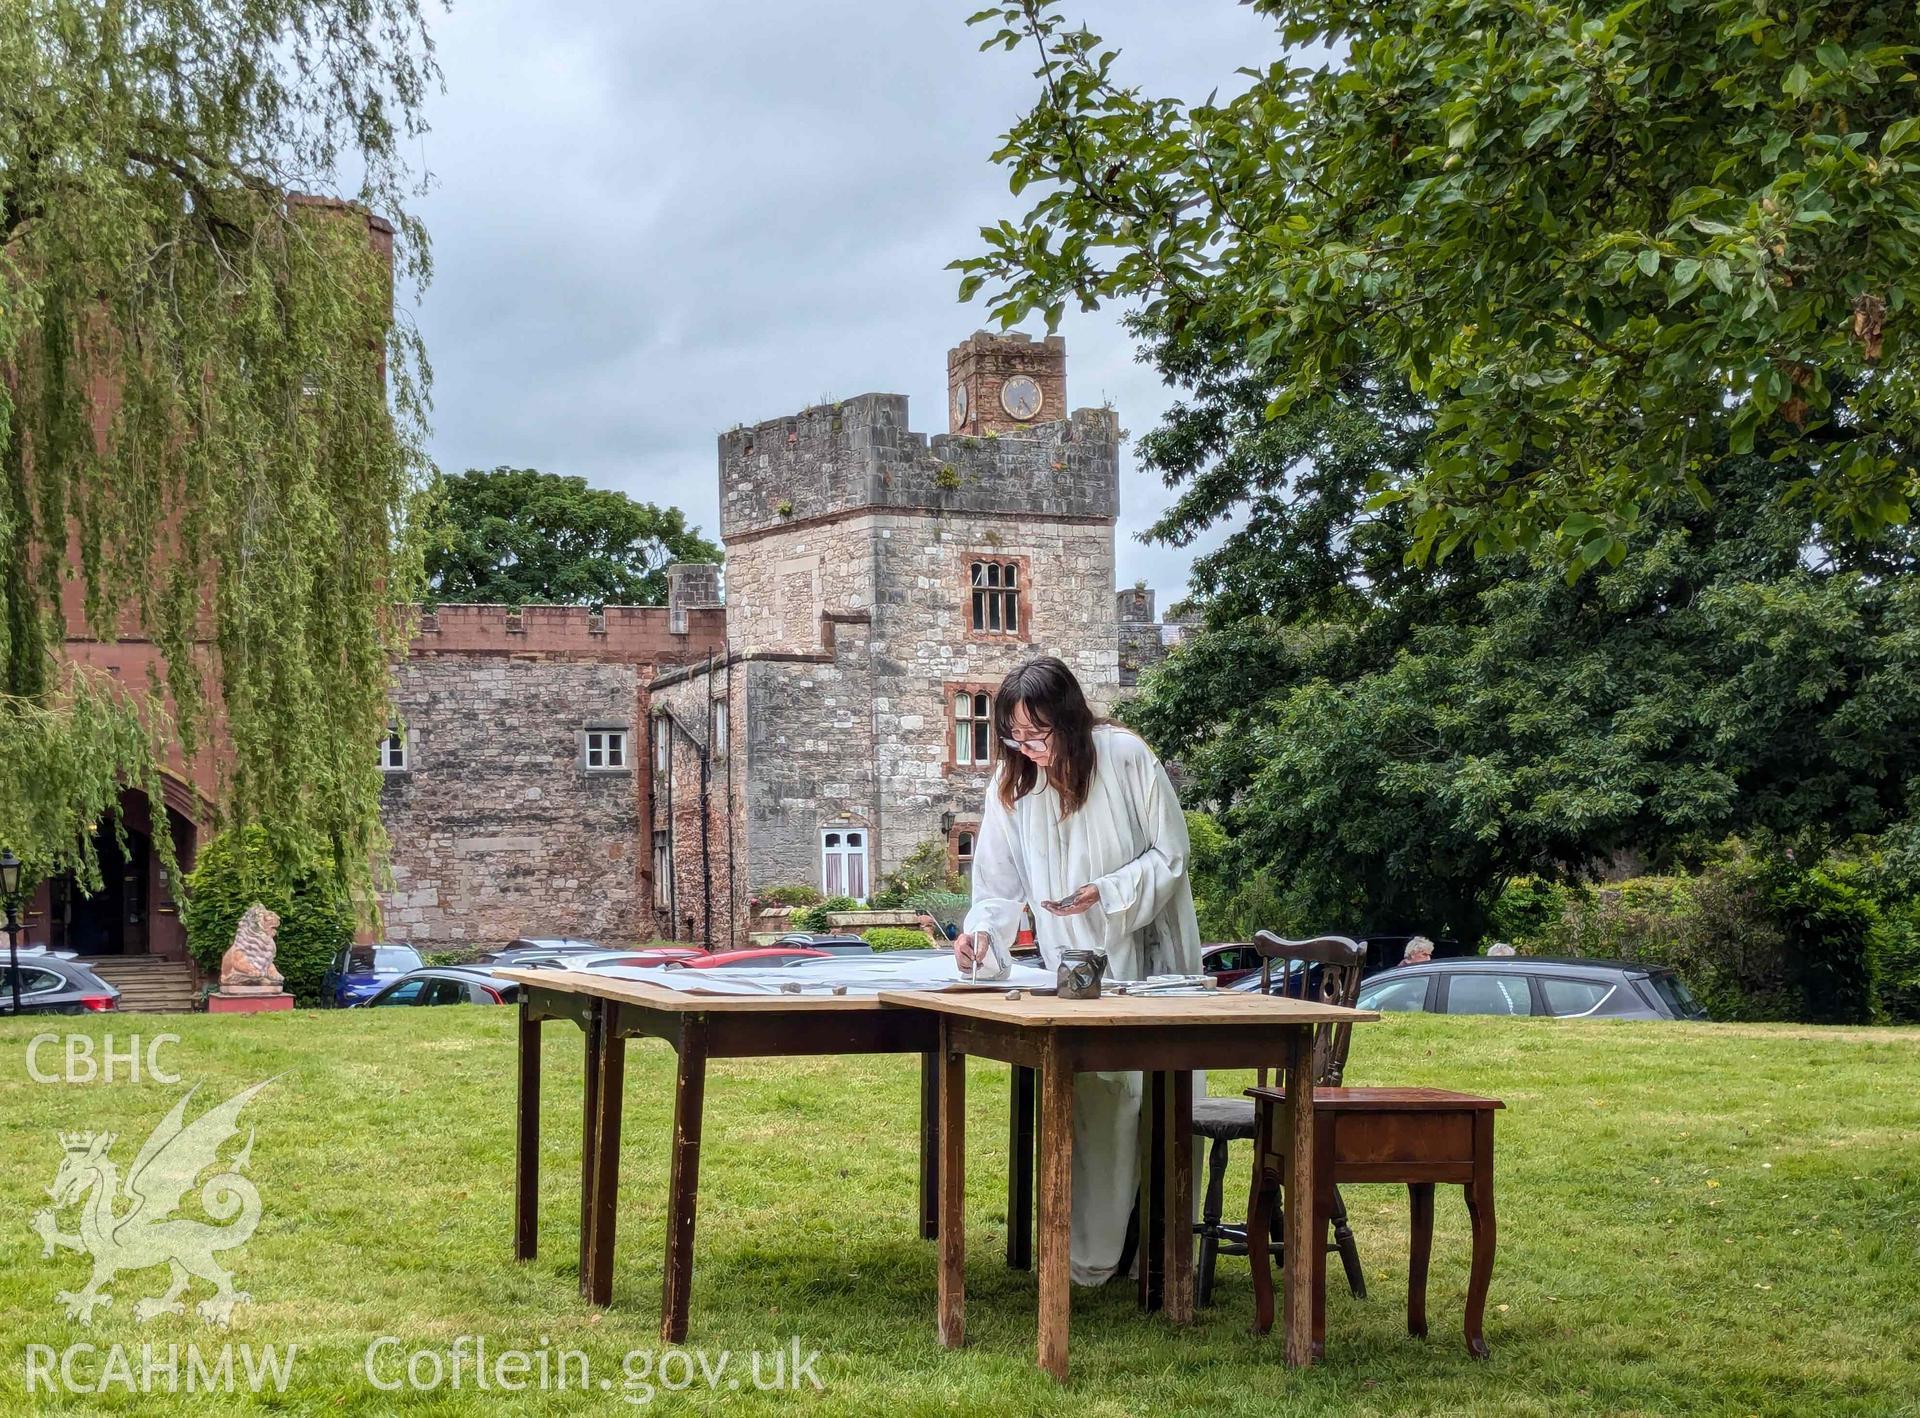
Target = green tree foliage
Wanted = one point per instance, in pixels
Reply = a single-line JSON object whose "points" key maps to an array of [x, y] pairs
{"points": [[517, 536], [923, 870], [814, 918], [236, 869], [1386, 746], [204, 394], [1602, 242], [1753, 938]]}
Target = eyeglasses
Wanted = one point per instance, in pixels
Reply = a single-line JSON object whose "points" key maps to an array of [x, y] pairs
{"points": [[1035, 745]]}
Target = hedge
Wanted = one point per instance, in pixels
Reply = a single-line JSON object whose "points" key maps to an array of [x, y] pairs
{"points": [[234, 870], [814, 918], [897, 938], [1755, 939]]}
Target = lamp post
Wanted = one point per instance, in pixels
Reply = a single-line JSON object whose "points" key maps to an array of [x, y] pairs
{"points": [[10, 889]]}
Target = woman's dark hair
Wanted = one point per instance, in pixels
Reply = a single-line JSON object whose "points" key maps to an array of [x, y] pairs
{"points": [[1052, 697]]}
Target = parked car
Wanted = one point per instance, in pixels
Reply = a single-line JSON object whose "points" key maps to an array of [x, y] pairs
{"points": [[50, 984], [529, 949], [361, 971], [1533, 985], [642, 956], [1229, 963], [832, 943], [446, 984], [763, 957]]}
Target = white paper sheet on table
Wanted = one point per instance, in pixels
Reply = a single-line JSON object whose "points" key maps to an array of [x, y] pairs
{"points": [[864, 975]]}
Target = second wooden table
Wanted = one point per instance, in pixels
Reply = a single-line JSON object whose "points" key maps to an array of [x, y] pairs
{"points": [[1167, 1037]]}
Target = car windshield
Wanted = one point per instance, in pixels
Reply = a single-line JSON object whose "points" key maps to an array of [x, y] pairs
{"points": [[397, 958]]}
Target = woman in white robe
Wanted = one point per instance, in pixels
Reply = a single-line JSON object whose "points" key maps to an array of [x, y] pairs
{"points": [[1110, 873]]}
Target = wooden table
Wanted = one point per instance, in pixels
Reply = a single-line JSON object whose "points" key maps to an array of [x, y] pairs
{"points": [[1167, 1036], [700, 1027]]}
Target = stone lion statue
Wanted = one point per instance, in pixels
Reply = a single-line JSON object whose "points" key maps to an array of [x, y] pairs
{"points": [[248, 963]]}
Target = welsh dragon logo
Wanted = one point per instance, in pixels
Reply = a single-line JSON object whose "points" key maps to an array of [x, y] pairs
{"points": [[132, 1226]]}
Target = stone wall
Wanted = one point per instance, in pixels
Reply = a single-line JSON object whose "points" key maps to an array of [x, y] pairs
{"points": [[703, 896], [838, 458], [498, 829]]}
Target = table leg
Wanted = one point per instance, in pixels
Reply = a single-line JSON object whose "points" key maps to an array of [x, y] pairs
{"points": [[1323, 1135], [683, 1180], [590, 1119], [950, 1319], [1302, 1255], [1153, 1190], [526, 1161], [1176, 1284], [610, 1095], [1420, 1225], [1056, 1208], [1480, 1217], [1020, 1168], [1260, 1199], [929, 1146]]}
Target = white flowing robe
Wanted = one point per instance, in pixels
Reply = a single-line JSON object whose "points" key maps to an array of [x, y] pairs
{"points": [[1129, 839]]}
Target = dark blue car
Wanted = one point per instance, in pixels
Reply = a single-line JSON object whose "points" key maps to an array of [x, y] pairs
{"points": [[360, 972]]}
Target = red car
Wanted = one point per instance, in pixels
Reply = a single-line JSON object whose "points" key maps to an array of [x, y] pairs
{"points": [[1227, 963], [765, 957]]}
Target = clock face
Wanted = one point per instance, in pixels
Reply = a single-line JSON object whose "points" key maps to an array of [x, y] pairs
{"points": [[959, 405], [1020, 397]]}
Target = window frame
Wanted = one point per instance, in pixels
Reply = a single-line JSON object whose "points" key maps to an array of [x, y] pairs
{"points": [[846, 852], [1534, 1010], [959, 865], [1428, 1000], [396, 737], [950, 693], [662, 869], [1016, 593], [1608, 989], [607, 733]]}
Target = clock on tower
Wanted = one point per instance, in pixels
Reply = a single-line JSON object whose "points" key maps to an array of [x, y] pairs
{"points": [[1005, 384]]}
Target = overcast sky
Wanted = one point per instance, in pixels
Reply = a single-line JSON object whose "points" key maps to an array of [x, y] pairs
{"points": [[653, 221]]}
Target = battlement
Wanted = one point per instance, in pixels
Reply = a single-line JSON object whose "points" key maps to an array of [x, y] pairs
{"points": [[619, 634], [860, 455]]}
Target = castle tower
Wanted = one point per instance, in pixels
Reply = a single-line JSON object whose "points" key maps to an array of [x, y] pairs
{"points": [[1005, 384], [879, 585]]}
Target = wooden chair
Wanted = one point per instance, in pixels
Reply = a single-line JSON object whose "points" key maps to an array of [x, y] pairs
{"points": [[1326, 969]]}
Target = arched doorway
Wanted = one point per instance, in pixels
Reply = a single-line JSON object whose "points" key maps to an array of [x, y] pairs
{"points": [[136, 910]]}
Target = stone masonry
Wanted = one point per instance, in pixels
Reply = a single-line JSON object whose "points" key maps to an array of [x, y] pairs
{"points": [[855, 547], [805, 718]]}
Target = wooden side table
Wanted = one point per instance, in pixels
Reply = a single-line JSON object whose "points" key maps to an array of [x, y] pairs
{"points": [[1416, 1136]]}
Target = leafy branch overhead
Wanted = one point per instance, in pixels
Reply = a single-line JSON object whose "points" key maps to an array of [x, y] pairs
{"points": [[1605, 245]]}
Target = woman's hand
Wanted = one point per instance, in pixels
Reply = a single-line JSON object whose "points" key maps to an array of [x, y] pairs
{"points": [[1085, 899], [966, 954]]}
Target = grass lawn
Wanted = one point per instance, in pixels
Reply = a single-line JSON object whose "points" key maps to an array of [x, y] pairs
{"points": [[1693, 1219]]}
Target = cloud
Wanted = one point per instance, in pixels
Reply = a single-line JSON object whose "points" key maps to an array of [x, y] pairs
{"points": [[652, 221]]}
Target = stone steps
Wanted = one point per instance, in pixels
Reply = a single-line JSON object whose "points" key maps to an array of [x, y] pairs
{"points": [[147, 983]]}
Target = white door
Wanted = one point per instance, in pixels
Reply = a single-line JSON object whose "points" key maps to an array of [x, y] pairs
{"points": [[843, 862]]}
